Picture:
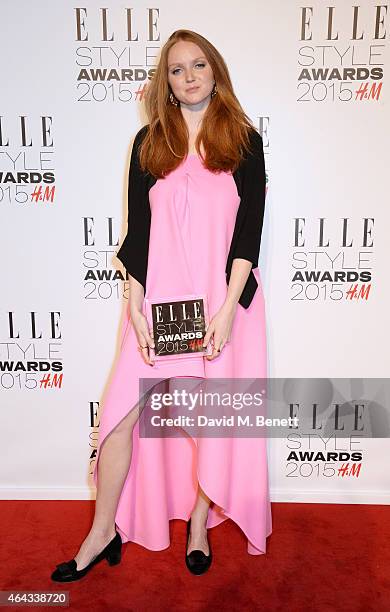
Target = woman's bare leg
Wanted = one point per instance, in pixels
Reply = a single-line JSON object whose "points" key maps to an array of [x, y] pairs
{"points": [[114, 463], [198, 533]]}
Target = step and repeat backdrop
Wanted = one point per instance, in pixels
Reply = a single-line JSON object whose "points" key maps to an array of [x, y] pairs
{"points": [[314, 80]]}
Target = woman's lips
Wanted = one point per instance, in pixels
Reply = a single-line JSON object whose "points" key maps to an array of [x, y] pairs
{"points": [[191, 89]]}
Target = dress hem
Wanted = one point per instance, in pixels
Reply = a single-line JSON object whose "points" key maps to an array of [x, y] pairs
{"points": [[180, 518]]}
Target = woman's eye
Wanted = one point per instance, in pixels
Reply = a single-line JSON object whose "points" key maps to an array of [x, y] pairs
{"points": [[201, 64]]}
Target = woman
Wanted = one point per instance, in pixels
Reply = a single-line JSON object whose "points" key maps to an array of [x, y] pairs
{"points": [[196, 205]]}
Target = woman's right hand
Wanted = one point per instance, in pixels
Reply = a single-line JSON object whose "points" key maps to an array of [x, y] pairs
{"points": [[144, 337]]}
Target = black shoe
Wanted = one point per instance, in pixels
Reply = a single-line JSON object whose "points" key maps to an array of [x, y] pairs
{"points": [[67, 572], [196, 561]]}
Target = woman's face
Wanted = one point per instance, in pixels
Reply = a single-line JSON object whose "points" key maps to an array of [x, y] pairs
{"points": [[188, 68]]}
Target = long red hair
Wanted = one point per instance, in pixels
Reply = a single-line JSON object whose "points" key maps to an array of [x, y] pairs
{"points": [[225, 127]]}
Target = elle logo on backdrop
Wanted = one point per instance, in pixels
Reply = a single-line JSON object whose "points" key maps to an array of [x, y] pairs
{"points": [[332, 259], [100, 243], [30, 351], [341, 52], [26, 151], [115, 55]]}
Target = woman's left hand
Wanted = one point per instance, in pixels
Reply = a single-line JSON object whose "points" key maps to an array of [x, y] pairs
{"points": [[220, 328]]}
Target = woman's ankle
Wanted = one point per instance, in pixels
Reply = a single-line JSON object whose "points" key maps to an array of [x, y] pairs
{"points": [[103, 530], [198, 521]]}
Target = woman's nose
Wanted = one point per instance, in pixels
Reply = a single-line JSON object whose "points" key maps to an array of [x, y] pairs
{"points": [[189, 76]]}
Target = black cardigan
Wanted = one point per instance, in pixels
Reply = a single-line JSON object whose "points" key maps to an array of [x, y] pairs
{"points": [[250, 179]]}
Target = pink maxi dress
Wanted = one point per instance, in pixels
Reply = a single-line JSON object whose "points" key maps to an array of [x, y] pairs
{"points": [[193, 215]]}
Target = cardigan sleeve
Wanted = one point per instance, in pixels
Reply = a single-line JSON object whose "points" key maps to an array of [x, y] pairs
{"points": [[253, 196], [133, 252]]}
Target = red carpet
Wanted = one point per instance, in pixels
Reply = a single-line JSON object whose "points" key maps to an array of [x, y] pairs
{"points": [[319, 558]]}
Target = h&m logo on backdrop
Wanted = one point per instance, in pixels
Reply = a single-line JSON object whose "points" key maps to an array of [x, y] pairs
{"points": [[31, 350], [118, 56], [100, 245], [341, 52], [26, 167]]}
